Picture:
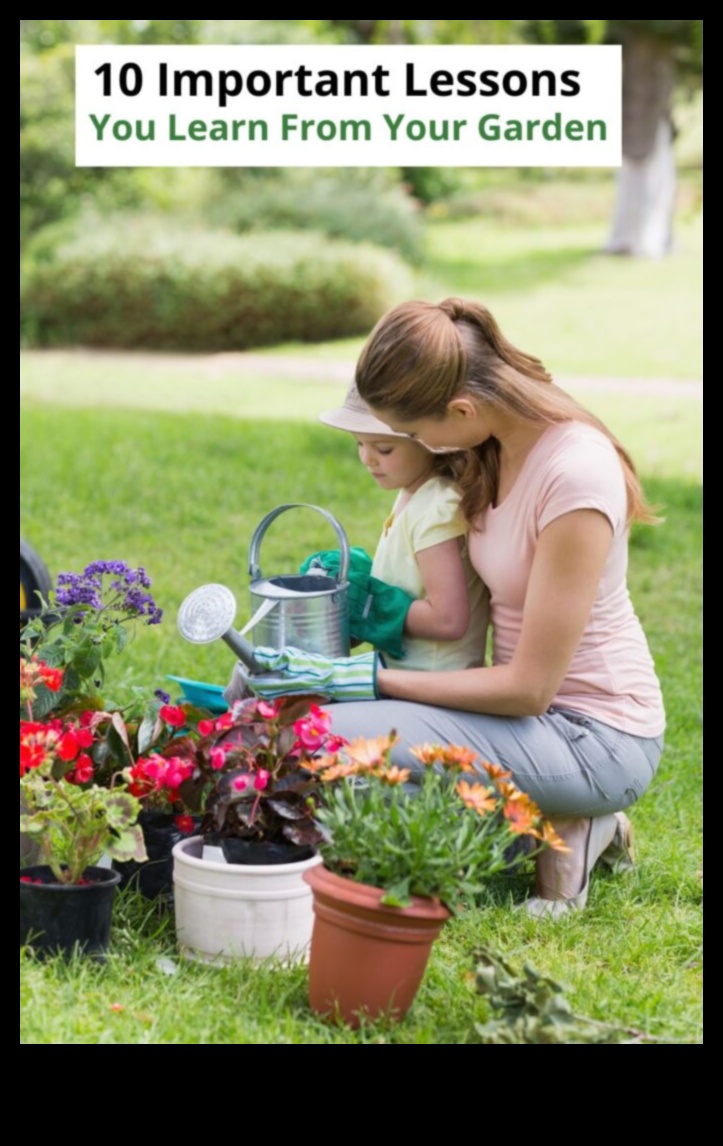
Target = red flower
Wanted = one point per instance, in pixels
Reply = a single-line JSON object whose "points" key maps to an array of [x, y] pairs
{"points": [[184, 824], [83, 769], [172, 715], [261, 779], [68, 746], [84, 736], [52, 678], [205, 727]]}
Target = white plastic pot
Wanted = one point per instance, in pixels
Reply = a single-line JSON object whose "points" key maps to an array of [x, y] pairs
{"points": [[225, 910]]}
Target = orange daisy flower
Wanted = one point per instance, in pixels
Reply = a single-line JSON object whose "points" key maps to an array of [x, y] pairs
{"points": [[522, 813], [338, 771], [495, 771], [547, 835], [476, 796], [428, 753], [395, 775], [371, 753], [455, 756]]}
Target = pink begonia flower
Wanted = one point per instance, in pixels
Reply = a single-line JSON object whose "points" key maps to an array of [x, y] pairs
{"points": [[269, 710], [240, 783], [261, 779], [334, 743], [312, 729], [155, 767], [177, 770], [224, 722], [172, 715], [205, 727], [217, 757]]}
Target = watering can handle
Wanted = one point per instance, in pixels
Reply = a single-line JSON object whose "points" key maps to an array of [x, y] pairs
{"points": [[254, 568]]}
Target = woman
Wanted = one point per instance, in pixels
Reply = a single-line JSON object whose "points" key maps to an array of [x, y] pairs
{"points": [[571, 704]]}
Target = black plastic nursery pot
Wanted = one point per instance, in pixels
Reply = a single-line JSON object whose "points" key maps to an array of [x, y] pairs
{"points": [[257, 852], [154, 877], [61, 918]]}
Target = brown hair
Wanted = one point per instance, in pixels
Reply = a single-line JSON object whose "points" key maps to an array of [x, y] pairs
{"points": [[420, 356]]}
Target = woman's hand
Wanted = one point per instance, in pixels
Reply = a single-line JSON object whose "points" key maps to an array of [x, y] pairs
{"points": [[569, 560]]}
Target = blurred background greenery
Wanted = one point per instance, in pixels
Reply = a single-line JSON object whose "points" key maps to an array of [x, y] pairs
{"points": [[219, 259]]}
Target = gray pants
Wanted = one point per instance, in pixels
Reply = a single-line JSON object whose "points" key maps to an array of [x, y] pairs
{"points": [[569, 764]]}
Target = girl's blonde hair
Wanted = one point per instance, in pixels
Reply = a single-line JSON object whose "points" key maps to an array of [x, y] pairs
{"points": [[420, 356]]}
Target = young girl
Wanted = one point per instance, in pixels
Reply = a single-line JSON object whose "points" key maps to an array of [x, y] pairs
{"points": [[423, 545]]}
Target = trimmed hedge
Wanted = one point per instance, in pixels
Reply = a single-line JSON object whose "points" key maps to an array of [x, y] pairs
{"points": [[140, 283]]}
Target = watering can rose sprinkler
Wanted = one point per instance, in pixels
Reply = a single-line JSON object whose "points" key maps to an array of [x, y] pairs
{"points": [[307, 612]]}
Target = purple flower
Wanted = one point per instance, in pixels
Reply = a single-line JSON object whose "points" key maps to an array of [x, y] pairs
{"points": [[121, 600], [162, 696]]}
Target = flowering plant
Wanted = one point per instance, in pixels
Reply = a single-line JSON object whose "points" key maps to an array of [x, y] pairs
{"points": [[71, 818], [62, 663], [443, 837], [87, 619], [251, 771]]}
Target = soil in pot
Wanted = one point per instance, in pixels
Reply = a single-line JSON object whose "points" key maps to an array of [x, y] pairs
{"points": [[60, 918], [261, 852]]}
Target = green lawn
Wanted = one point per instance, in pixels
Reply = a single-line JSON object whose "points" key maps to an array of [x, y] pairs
{"points": [[171, 462], [181, 493]]}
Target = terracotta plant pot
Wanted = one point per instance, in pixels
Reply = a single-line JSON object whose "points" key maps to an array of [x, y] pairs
{"points": [[367, 959], [224, 910]]}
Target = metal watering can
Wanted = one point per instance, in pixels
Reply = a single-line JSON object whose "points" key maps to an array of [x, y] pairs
{"points": [[309, 611]]}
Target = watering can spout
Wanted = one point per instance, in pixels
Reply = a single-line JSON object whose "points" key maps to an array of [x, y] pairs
{"points": [[207, 615], [243, 649]]}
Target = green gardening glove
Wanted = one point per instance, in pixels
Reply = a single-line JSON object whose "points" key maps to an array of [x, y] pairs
{"points": [[377, 611], [330, 559]]}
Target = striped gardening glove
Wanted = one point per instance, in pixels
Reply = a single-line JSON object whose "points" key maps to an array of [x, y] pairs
{"points": [[292, 672]]}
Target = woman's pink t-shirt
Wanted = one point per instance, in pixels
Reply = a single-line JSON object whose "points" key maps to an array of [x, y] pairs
{"points": [[612, 676]]}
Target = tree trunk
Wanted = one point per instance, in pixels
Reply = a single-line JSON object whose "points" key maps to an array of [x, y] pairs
{"points": [[643, 218]]}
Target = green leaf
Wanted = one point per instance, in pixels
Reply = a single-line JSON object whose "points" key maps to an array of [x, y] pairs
{"points": [[146, 734], [30, 825], [119, 725], [128, 845], [122, 809], [397, 895], [86, 660], [121, 638], [45, 701]]}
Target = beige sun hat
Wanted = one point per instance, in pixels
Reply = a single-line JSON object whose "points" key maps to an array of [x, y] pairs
{"points": [[356, 417]]}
